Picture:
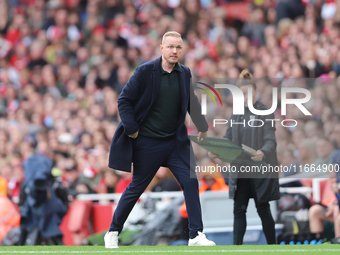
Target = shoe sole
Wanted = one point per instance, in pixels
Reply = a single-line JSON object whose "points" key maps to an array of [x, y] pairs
{"points": [[112, 247], [201, 245]]}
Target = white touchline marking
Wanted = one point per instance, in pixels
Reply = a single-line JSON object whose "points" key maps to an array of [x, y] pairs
{"points": [[173, 251]]}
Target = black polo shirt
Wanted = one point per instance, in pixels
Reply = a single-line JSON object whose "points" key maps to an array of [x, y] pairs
{"points": [[163, 119]]}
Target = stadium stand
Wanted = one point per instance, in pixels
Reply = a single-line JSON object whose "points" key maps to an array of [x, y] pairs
{"points": [[64, 63]]}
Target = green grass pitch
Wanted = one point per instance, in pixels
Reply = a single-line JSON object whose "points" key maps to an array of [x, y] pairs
{"points": [[323, 249]]}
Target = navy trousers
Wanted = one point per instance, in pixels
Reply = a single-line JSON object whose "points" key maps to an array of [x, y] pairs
{"points": [[148, 155]]}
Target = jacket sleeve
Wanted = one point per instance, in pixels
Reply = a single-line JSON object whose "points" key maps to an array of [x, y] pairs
{"points": [[194, 110], [127, 100], [268, 132], [229, 132]]}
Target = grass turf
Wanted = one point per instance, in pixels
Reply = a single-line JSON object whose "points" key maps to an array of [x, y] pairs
{"points": [[323, 249]]}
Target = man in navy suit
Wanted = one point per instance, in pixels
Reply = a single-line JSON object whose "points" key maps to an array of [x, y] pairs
{"points": [[153, 106]]}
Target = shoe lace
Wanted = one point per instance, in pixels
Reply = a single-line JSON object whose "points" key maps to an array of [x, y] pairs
{"points": [[201, 234], [113, 238]]}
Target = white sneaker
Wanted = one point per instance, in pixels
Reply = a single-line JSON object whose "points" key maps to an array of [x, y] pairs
{"points": [[200, 240], [111, 240]]}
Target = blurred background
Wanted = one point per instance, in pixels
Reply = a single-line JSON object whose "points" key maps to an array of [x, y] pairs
{"points": [[63, 64]]}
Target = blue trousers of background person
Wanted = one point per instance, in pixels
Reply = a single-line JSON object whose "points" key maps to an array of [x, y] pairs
{"points": [[148, 155]]}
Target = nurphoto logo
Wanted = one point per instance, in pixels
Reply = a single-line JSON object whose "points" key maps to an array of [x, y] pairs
{"points": [[238, 103]]}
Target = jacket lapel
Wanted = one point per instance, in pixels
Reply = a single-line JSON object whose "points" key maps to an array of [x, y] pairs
{"points": [[155, 83], [254, 135], [235, 130], [255, 131], [183, 89], [156, 79]]}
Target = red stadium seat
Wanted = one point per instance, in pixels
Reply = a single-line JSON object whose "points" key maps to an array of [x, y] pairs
{"points": [[238, 10], [75, 225]]}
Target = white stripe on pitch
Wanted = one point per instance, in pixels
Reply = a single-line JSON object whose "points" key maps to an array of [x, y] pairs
{"points": [[173, 251]]}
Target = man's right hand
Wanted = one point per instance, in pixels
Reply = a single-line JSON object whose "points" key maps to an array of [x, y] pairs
{"points": [[134, 135], [212, 155]]}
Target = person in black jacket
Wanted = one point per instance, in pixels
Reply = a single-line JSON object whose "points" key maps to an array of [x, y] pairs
{"points": [[243, 186]]}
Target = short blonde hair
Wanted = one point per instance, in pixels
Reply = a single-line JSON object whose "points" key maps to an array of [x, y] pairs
{"points": [[170, 33]]}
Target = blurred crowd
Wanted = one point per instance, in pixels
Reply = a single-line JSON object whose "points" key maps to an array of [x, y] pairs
{"points": [[64, 63]]}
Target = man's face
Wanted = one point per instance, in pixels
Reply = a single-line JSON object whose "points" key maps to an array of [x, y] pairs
{"points": [[172, 49]]}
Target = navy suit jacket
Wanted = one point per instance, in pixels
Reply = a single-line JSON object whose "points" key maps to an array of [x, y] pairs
{"points": [[135, 103]]}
